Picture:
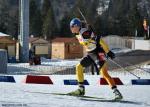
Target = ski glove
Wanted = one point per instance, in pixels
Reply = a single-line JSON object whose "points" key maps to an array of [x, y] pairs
{"points": [[111, 55]]}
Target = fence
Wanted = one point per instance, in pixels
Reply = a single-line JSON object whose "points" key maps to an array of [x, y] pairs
{"points": [[115, 41], [112, 41], [24, 69], [142, 44]]}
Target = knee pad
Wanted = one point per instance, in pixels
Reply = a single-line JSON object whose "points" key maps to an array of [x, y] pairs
{"points": [[86, 61], [101, 64]]}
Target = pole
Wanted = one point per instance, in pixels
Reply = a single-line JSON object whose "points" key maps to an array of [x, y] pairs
{"points": [[135, 37], [24, 31], [135, 66], [148, 32], [124, 68]]}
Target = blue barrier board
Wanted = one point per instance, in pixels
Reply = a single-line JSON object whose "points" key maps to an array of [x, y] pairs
{"points": [[7, 79], [141, 82], [74, 82]]}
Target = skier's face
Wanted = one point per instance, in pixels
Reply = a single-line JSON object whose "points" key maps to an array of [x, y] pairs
{"points": [[74, 29]]}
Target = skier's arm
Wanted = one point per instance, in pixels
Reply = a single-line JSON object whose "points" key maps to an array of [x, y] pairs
{"points": [[104, 45], [106, 49], [80, 39], [84, 39]]}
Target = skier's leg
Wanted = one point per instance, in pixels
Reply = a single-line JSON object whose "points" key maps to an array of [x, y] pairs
{"points": [[104, 73], [110, 81], [79, 73], [80, 77]]}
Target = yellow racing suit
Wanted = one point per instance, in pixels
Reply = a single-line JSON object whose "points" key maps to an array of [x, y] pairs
{"points": [[96, 50]]}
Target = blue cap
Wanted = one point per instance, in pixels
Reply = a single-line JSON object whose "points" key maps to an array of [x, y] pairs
{"points": [[75, 21]]}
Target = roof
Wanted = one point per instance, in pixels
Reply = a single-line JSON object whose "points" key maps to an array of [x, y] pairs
{"points": [[7, 40], [32, 39], [37, 40], [2, 34], [65, 39]]}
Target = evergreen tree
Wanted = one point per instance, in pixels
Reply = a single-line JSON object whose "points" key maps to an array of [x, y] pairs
{"points": [[98, 28], [92, 11], [49, 25], [134, 21], [88, 9], [4, 15], [45, 8], [80, 4], [9, 17], [35, 19], [13, 22], [65, 28]]}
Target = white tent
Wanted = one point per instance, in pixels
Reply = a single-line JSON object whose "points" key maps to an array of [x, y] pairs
{"points": [[2, 34]]}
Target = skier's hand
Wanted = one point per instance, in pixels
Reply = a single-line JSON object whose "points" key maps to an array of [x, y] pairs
{"points": [[111, 55]]}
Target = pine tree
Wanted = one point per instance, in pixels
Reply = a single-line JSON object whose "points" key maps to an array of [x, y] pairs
{"points": [[88, 9], [4, 15], [9, 17], [92, 11], [35, 19], [65, 28], [49, 26], [45, 8], [134, 21], [13, 22]]}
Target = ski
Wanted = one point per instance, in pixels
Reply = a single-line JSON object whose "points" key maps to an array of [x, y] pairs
{"points": [[92, 98], [110, 100], [64, 94], [85, 96]]}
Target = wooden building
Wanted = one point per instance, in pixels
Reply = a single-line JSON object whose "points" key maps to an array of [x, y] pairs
{"points": [[7, 43], [66, 48], [41, 46]]}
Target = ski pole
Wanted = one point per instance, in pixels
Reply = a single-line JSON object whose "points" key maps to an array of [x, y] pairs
{"points": [[124, 68], [135, 66]]}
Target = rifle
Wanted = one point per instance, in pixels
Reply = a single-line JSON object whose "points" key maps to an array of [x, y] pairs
{"points": [[88, 26]]}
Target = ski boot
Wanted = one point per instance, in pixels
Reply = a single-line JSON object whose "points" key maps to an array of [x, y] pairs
{"points": [[79, 92], [118, 95]]}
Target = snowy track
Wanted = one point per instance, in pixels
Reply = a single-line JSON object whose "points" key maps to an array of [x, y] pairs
{"points": [[14, 94]]}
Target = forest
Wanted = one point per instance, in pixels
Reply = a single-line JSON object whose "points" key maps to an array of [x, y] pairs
{"points": [[51, 18]]}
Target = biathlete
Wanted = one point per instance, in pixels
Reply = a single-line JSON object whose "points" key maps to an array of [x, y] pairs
{"points": [[96, 49]]}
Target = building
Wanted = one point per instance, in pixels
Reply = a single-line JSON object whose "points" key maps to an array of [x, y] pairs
{"points": [[7, 43], [66, 48], [41, 46]]}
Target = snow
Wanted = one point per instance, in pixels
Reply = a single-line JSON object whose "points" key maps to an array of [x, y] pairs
{"points": [[19, 94], [2, 34], [121, 50], [15, 93], [49, 66], [59, 62]]}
